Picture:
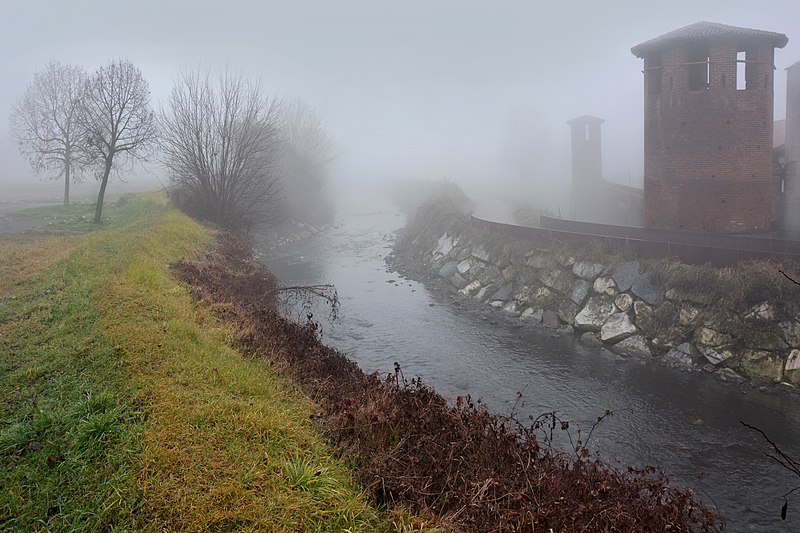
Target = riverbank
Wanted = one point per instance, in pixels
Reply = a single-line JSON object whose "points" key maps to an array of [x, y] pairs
{"points": [[408, 446], [127, 406], [739, 324]]}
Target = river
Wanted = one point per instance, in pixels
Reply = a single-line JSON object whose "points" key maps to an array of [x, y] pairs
{"points": [[686, 423]]}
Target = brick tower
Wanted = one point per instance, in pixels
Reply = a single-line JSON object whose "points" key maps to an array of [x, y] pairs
{"points": [[708, 112], [587, 166]]}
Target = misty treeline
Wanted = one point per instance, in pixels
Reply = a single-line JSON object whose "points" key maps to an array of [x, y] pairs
{"points": [[234, 155]]}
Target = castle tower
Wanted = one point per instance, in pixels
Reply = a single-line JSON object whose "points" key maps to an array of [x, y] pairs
{"points": [[587, 165], [708, 116]]}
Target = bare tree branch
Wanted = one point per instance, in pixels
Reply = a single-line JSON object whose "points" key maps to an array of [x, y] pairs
{"points": [[222, 143], [44, 123], [785, 275], [787, 462], [306, 295], [119, 123]]}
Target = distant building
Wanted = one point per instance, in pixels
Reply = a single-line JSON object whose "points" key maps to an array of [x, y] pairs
{"points": [[593, 198], [709, 129], [788, 157], [587, 166], [779, 170]]}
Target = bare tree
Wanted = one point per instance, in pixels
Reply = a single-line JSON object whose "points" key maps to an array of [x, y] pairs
{"points": [[305, 164], [44, 123], [221, 144], [119, 122]]}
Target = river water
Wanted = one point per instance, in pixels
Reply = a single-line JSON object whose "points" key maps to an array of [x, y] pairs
{"points": [[686, 423]]}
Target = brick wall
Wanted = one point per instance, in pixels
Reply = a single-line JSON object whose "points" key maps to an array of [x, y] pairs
{"points": [[708, 152]]}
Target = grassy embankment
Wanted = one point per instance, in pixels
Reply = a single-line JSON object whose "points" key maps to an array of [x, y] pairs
{"points": [[124, 405]]}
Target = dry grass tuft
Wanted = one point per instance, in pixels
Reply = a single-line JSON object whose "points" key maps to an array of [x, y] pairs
{"points": [[739, 287]]}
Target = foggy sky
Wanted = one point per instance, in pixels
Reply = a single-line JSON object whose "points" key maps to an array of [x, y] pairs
{"points": [[469, 90]]}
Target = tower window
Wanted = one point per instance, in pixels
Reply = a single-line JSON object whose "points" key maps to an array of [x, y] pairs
{"points": [[741, 71], [698, 66], [746, 65]]}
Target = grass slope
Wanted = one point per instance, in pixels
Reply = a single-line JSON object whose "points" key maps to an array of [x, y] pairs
{"points": [[124, 406]]}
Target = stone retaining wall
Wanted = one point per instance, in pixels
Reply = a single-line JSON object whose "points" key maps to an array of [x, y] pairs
{"points": [[613, 302]]}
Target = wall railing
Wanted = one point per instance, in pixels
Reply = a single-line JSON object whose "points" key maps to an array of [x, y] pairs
{"points": [[689, 247]]}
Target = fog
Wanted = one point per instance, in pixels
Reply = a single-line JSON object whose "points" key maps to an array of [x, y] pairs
{"points": [[475, 92]]}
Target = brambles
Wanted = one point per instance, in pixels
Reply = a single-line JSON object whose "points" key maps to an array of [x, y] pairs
{"points": [[407, 445], [302, 299]]}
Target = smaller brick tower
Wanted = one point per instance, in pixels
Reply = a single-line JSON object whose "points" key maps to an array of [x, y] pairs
{"points": [[587, 166], [708, 117]]}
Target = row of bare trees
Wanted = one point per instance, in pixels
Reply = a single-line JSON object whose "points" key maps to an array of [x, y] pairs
{"points": [[234, 155], [68, 122]]}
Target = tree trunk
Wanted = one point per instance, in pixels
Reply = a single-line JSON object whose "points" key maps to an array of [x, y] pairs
{"points": [[66, 178], [98, 210]]}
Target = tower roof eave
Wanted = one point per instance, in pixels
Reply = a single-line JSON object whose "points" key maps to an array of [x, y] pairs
{"points": [[704, 30]]}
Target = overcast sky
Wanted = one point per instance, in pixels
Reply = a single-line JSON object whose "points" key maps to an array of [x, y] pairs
{"points": [[422, 89]]}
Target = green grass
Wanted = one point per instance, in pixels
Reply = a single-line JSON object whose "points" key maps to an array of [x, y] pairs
{"points": [[78, 218], [126, 408]]}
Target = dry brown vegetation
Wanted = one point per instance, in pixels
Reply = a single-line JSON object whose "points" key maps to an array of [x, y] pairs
{"points": [[447, 209], [738, 287], [407, 445]]}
